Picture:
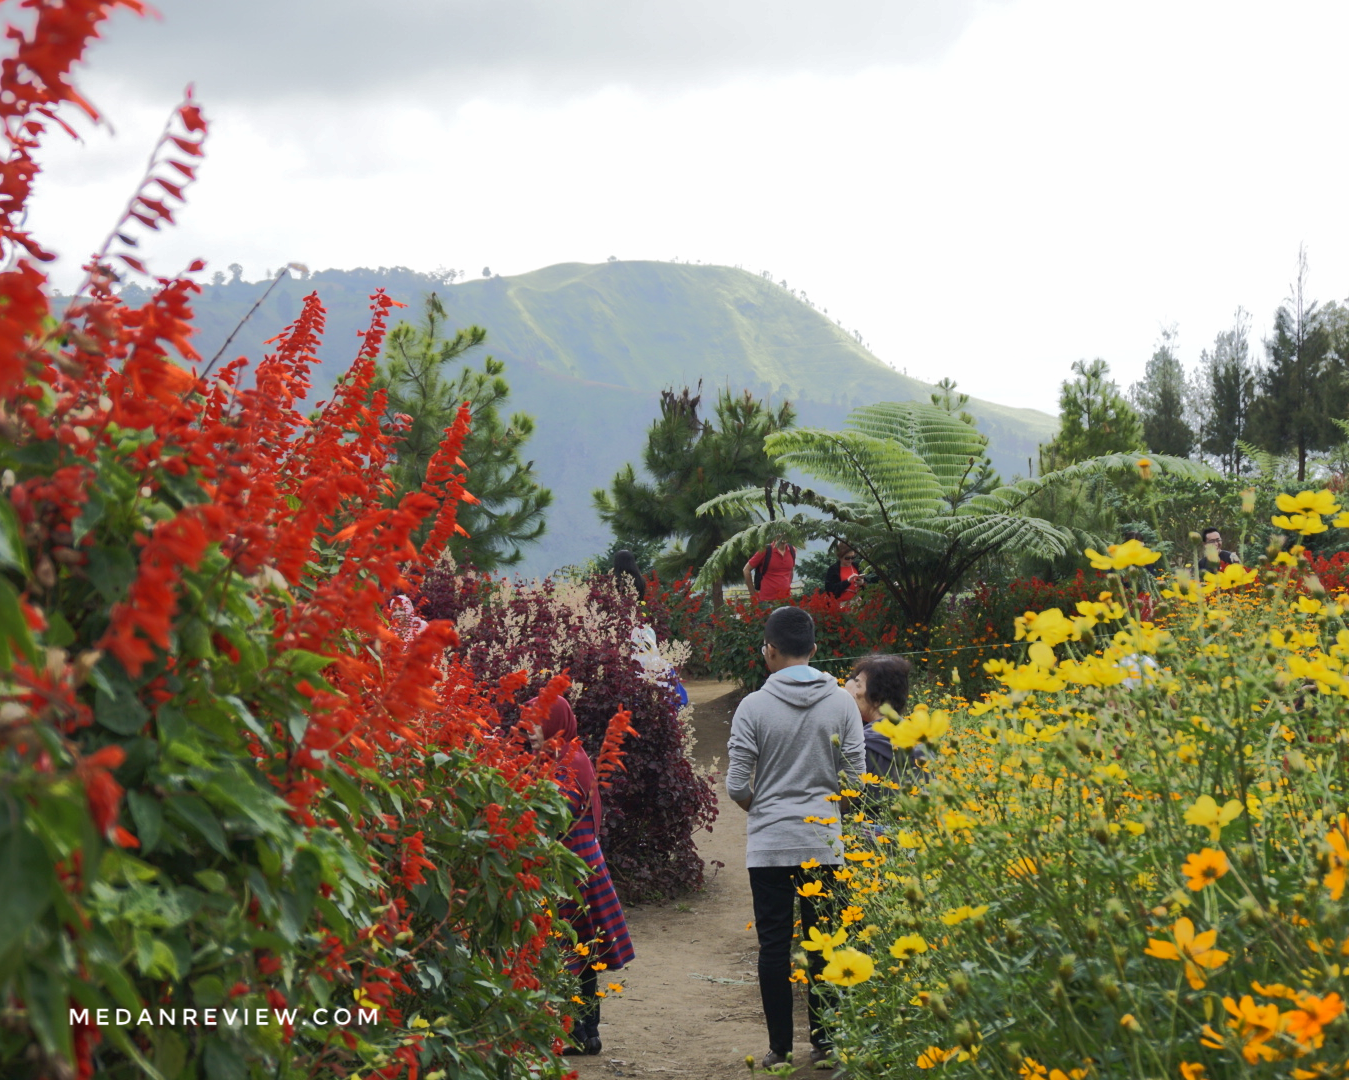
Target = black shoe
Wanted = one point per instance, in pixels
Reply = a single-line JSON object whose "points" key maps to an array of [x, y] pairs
{"points": [[774, 1058], [585, 1048]]}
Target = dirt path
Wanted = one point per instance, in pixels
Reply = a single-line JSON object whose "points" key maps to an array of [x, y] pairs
{"points": [[691, 1009]]}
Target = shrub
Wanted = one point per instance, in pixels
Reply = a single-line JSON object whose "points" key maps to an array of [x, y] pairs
{"points": [[976, 626], [228, 784], [656, 802], [1131, 859]]}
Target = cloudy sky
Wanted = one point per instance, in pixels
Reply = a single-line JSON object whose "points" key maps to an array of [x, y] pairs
{"points": [[986, 190]]}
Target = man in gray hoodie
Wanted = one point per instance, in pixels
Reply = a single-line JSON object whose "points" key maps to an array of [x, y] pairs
{"points": [[789, 743]]}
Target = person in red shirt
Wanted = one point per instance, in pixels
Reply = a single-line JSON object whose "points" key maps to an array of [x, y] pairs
{"points": [[776, 579]]}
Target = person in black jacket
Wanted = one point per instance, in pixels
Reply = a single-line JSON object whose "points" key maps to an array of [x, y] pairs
{"points": [[884, 680], [843, 578], [626, 571]]}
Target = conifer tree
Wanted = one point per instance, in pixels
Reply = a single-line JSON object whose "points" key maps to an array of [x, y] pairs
{"points": [[1159, 399], [1229, 388], [1302, 386], [1094, 419], [690, 460], [427, 379]]}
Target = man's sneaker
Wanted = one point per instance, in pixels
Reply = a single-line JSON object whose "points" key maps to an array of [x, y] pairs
{"points": [[774, 1058], [822, 1057]]}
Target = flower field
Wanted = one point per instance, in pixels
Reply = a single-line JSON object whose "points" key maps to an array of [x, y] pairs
{"points": [[1131, 859]]}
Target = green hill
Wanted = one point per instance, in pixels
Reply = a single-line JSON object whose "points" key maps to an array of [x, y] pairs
{"points": [[589, 347]]}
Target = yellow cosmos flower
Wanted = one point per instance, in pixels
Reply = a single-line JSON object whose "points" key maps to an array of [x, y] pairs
{"points": [[851, 914], [1121, 556], [1023, 867], [1253, 1025], [934, 1056], [1050, 626], [1206, 812], [960, 914], [848, 967], [1341, 520], [1191, 1070], [1307, 605], [1205, 868], [1304, 524], [1321, 503], [1195, 951], [824, 944], [907, 947], [1230, 577], [811, 888], [921, 726], [810, 864]]}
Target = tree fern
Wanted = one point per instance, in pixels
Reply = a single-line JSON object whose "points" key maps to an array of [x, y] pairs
{"points": [[922, 512]]}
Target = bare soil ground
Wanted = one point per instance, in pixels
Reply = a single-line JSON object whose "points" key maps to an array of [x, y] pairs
{"points": [[691, 1009]]}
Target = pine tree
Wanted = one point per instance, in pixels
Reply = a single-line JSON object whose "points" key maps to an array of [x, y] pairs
{"points": [[691, 460], [1159, 399], [1094, 419], [1302, 385], [1229, 386], [426, 379]]}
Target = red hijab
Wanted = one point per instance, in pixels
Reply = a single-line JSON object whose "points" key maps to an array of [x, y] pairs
{"points": [[562, 721]]}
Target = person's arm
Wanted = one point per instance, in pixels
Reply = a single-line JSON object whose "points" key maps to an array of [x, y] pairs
{"points": [[833, 581], [743, 754], [748, 569], [853, 744]]}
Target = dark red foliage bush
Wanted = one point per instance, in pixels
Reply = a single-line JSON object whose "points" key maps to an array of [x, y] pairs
{"points": [[656, 805]]}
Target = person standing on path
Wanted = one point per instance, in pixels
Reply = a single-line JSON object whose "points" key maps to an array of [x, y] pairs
{"points": [[601, 930], [790, 740], [769, 572]]}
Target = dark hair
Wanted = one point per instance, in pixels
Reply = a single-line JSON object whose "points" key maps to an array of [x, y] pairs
{"points": [[840, 540], [887, 679], [791, 631], [1208, 529], [625, 566], [1133, 534]]}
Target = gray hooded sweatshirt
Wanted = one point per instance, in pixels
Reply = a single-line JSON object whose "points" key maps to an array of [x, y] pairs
{"points": [[789, 742]]}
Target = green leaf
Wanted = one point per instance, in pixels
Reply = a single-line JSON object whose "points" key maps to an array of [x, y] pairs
{"points": [[91, 515], [209, 990], [300, 662], [298, 902], [43, 992], [13, 626], [13, 552], [26, 870], [149, 818], [170, 1053], [111, 570], [223, 1061], [59, 632], [123, 714], [193, 811], [213, 881]]}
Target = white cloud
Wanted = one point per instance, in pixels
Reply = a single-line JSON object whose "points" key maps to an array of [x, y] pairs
{"points": [[1057, 183]]}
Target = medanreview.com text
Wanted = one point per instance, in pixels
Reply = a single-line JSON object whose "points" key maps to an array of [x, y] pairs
{"points": [[216, 1017]]}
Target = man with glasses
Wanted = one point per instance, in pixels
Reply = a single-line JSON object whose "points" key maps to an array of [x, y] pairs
{"points": [[790, 741], [1215, 558]]}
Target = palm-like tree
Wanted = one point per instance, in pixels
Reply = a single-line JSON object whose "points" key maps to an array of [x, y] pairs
{"points": [[922, 510]]}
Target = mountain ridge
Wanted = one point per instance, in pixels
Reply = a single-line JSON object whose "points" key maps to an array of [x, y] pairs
{"points": [[588, 348]]}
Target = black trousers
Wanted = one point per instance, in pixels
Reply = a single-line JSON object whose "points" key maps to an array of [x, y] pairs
{"points": [[586, 1023], [775, 896]]}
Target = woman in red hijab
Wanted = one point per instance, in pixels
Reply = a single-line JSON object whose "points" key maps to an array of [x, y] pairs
{"points": [[601, 930]]}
